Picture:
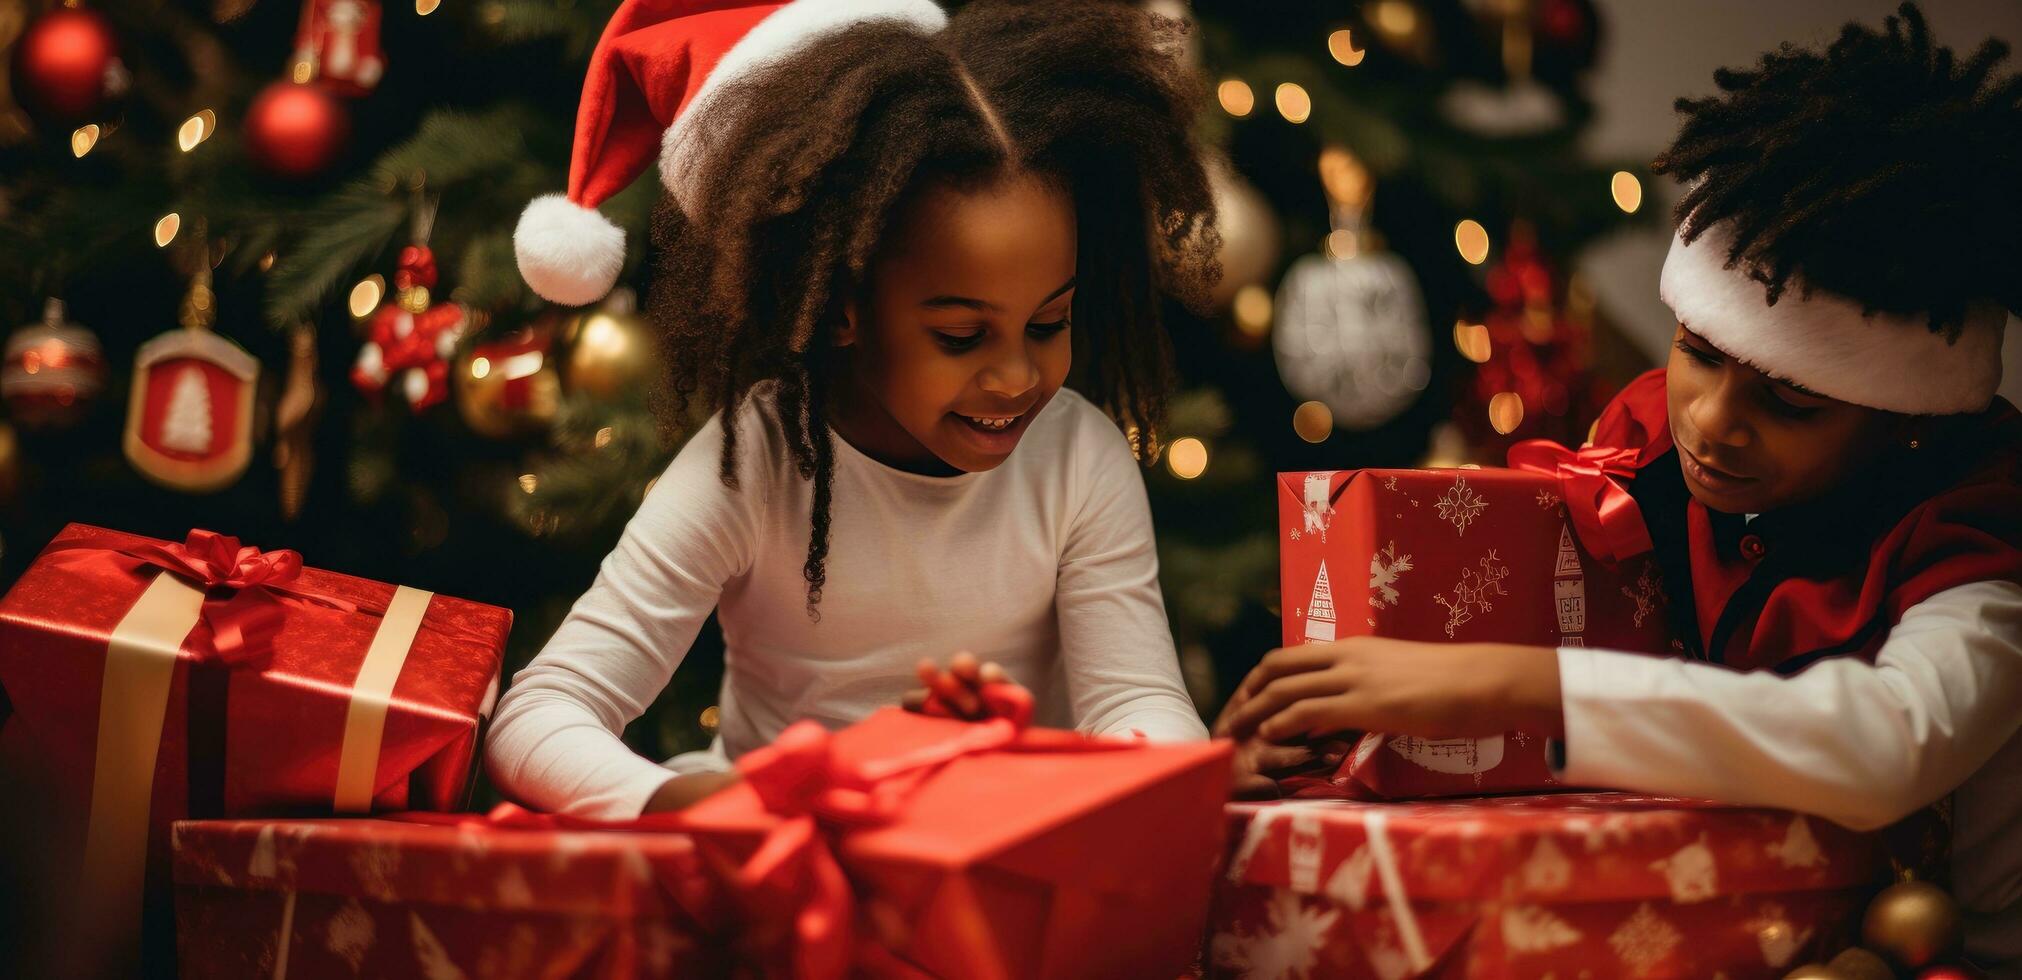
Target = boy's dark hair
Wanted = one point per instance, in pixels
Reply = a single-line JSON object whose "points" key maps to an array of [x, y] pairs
{"points": [[805, 182], [1881, 170]]}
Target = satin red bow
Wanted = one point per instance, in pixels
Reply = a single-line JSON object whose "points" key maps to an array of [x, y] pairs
{"points": [[244, 622], [246, 589], [794, 873], [1594, 482]]}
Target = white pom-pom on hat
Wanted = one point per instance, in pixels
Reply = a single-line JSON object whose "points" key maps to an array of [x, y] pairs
{"points": [[568, 253]]}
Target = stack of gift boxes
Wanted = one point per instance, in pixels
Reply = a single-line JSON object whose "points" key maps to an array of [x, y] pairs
{"points": [[1464, 857], [265, 761]]}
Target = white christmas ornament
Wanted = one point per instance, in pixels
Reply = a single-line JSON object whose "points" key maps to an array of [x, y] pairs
{"points": [[1351, 334]]}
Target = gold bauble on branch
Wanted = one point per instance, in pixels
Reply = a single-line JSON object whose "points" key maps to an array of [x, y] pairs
{"points": [[1913, 923], [1856, 963], [1249, 230], [509, 386], [610, 350], [1813, 971]]}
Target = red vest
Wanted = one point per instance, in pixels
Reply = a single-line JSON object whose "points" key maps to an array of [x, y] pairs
{"points": [[1831, 576]]}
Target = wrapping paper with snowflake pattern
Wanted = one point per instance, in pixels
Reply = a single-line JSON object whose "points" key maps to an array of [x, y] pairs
{"points": [[1565, 885], [387, 898], [1461, 555]]}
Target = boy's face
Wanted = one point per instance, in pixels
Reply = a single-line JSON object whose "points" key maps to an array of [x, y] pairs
{"points": [[1749, 443], [966, 335]]}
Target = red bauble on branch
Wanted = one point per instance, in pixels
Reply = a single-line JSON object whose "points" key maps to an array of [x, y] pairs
{"points": [[296, 131], [66, 68]]}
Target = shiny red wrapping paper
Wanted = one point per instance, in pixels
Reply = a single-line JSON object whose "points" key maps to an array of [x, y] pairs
{"points": [[388, 898], [1458, 556], [1050, 855], [269, 731], [1562, 885]]}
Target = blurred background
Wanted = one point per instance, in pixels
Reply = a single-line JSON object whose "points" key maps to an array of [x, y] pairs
{"points": [[1441, 236]]}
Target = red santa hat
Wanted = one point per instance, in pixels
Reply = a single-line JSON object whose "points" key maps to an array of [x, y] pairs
{"points": [[659, 71], [1826, 342]]}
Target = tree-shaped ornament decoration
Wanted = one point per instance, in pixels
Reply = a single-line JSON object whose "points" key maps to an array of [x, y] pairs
{"points": [[189, 423]]}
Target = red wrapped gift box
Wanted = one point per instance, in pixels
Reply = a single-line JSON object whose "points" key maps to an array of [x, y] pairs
{"points": [[1565, 885], [387, 898], [910, 845], [149, 681], [1455, 556]]}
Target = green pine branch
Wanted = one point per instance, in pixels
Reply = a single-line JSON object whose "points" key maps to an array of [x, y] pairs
{"points": [[479, 161]]}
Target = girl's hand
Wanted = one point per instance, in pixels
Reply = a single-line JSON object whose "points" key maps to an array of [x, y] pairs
{"points": [[1435, 690], [1257, 759], [956, 692], [688, 789]]}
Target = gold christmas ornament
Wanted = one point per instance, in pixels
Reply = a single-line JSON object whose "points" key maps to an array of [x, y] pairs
{"points": [[1812, 971], [610, 350], [510, 386], [1913, 923], [1859, 964]]}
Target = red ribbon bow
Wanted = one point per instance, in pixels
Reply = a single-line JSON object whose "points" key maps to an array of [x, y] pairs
{"points": [[1593, 481], [244, 622], [794, 873], [794, 876]]}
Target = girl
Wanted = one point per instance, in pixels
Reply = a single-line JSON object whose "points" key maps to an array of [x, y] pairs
{"points": [[890, 237], [1829, 479]]}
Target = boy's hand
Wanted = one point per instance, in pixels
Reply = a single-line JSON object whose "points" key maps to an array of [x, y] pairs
{"points": [[688, 789], [956, 692], [1436, 690]]}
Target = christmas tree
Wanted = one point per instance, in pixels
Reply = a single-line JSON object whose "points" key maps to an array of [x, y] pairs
{"points": [[188, 424], [332, 187]]}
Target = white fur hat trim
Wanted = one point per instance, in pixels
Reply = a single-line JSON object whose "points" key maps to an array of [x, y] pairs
{"points": [[1824, 343]]}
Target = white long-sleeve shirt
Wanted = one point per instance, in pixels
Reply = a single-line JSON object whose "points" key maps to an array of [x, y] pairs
{"points": [[1862, 744], [1045, 565]]}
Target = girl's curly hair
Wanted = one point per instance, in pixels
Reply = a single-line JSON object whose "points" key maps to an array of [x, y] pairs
{"points": [[1882, 169], [804, 178]]}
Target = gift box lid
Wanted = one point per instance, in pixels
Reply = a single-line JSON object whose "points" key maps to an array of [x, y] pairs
{"points": [[1588, 847], [993, 805], [467, 864]]}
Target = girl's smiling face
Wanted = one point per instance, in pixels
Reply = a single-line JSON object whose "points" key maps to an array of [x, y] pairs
{"points": [[1750, 443], [966, 331]]}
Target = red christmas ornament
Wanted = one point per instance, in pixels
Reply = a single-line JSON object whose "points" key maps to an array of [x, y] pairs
{"points": [[1568, 38], [409, 341], [1946, 973], [52, 373], [66, 68], [295, 131], [338, 41]]}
